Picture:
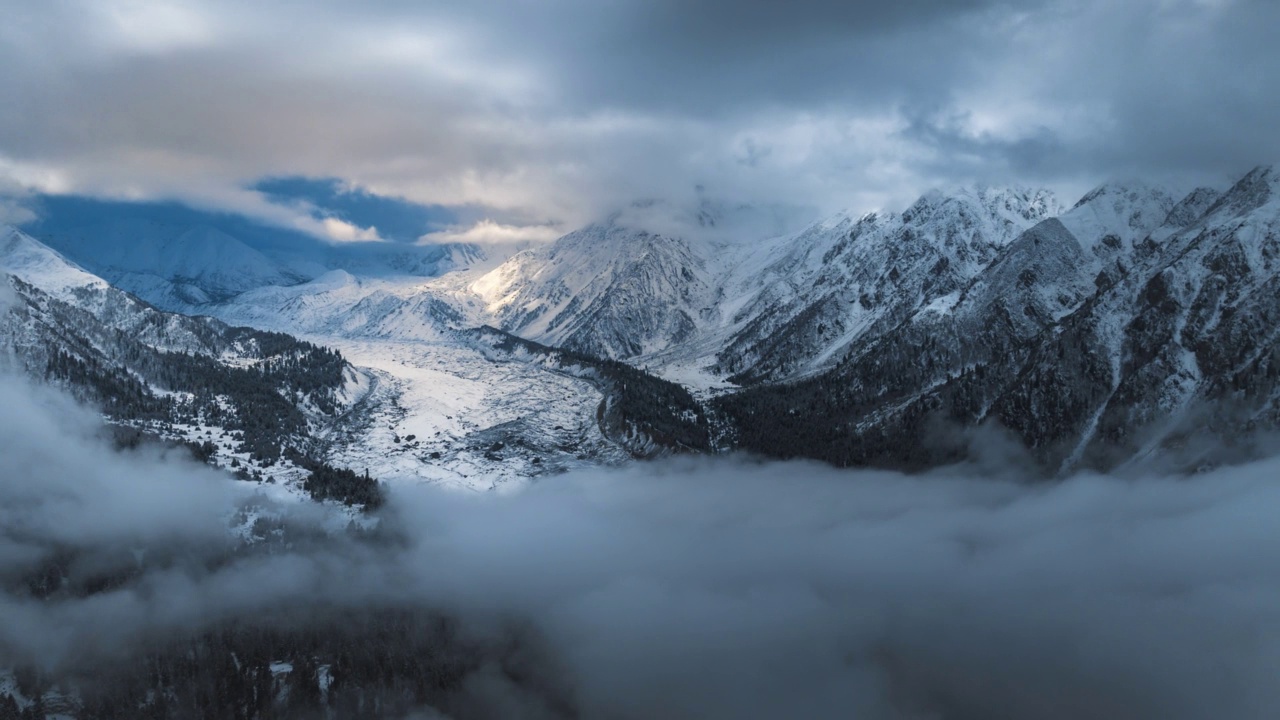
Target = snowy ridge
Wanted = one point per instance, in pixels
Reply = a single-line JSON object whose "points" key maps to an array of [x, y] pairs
{"points": [[186, 268], [843, 280], [1132, 325], [27, 259]]}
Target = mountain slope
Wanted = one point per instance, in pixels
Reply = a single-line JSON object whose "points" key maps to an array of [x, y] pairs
{"points": [[845, 280], [171, 266], [252, 399], [663, 290], [432, 401], [609, 289], [344, 305], [1185, 346], [1174, 337], [1094, 336]]}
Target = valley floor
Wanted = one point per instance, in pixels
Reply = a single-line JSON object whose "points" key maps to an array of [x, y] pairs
{"points": [[443, 413]]}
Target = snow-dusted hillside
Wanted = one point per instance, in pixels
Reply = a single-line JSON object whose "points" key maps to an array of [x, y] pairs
{"points": [[420, 403], [1184, 345], [25, 258]]}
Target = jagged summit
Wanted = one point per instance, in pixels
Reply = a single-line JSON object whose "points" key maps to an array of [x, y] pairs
{"points": [[843, 280], [1125, 211], [1255, 190], [1133, 324], [609, 288]]}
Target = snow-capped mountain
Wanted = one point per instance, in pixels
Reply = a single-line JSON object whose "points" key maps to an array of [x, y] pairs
{"points": [[172, 267], [609, 289], [66, 306], [650, 287], [185, 268], [846, 279], [176, 377], [1183, 346], [1133, 324], [341, 304]]}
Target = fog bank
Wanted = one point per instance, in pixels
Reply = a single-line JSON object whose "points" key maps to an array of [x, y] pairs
{"points": [[691, 588]]}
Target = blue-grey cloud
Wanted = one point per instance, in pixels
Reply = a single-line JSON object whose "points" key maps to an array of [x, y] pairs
{"points": [[711, 588], [555, 111]]}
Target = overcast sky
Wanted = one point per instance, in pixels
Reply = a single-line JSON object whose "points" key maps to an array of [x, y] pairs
{"points": [[558, 110]]}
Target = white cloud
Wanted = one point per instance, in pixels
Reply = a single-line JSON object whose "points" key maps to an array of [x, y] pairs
{"points": [[153, 26], [491, 233], [343, 231]]}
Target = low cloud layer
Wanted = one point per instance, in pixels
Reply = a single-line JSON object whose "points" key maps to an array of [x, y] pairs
{"points": [[701, 588], [562, 111]]}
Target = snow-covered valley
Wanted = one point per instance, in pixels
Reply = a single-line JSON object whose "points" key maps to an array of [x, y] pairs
{"points": [[444, 413]]}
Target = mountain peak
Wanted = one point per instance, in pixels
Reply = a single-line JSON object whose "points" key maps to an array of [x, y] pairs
{"points": [[971, 206], [34, 262], [1127, 210], [1118, 189], [1257, 188], [1030, 203]]}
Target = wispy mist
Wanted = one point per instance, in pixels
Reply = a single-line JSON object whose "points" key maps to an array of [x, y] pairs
{"points": [[692, 588]]}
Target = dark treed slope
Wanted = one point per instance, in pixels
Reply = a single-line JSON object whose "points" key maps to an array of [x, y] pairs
{"points": [[156, 371]]}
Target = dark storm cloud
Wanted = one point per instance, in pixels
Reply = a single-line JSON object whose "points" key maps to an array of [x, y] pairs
{"points": [[556, 111], [1189, 87], [956, 149], [718, 56]]}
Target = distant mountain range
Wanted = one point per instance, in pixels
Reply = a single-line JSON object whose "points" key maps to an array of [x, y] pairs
{"points": [[183, 267], [1138, 323]]}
